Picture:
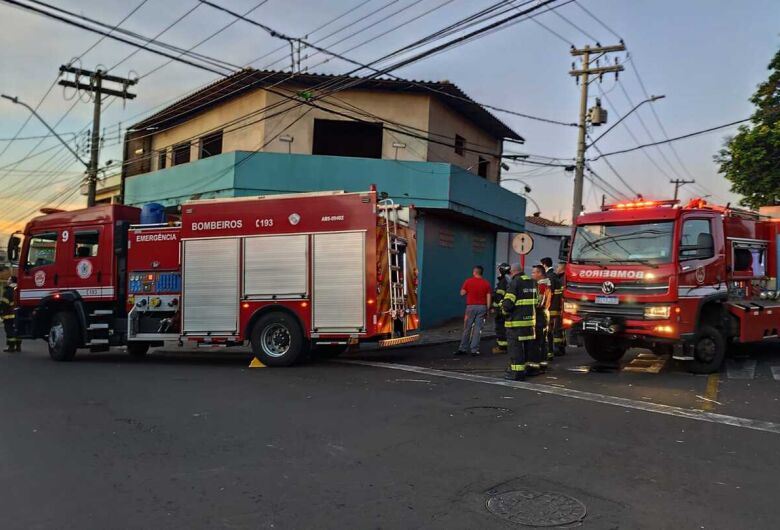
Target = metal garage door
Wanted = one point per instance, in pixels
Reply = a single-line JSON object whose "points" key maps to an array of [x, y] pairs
{"points": [[275, 266], [339, 289], [211, 286]]}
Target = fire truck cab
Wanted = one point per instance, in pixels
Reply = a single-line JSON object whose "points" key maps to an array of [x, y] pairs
{"points": [[693, 281], [284, 273]]}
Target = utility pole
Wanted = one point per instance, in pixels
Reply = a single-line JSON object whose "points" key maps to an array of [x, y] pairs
{"points": [[678, 183], [583, 77], [95, 85]]}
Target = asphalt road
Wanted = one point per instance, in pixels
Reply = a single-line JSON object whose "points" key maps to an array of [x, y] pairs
{"points": [[201, 441]]}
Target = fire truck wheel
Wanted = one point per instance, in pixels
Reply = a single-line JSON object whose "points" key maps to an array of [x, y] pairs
{"points": [[63, 336], [137, 350], [277, 340], [603, 349], [709, 349]]}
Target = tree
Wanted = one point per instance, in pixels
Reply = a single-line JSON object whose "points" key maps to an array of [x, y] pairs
{"points": [[751, 158]]}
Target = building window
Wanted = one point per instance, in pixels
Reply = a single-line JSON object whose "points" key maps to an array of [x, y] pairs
{"points": [[347, 138], [211, 145], [483, 166], [162, 159], [478, 244], [181, 154], [42, 250], [460, 145], [86, 244]]}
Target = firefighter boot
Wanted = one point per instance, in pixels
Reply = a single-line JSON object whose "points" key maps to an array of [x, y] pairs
{"points": [[10, 347], [18, 346]]}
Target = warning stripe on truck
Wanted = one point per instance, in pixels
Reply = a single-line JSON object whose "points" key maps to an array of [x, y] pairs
{"points": [[85, 292]]}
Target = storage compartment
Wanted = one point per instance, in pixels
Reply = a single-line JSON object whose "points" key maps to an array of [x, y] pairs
{"points": [[210, 299], [339, 282], [275, 267]]}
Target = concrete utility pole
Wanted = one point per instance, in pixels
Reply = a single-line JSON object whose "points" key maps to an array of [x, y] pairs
{"points": [[95, 86], [678, 183], [583, 77]]}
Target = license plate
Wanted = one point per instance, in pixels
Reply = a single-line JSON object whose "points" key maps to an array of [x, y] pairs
{"points": [[611, 300]]}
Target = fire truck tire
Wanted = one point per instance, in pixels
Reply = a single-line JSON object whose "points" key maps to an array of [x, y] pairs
{"points": [[137, 350], [277, 340], [603, 349], [709, 349], [63, 336]]}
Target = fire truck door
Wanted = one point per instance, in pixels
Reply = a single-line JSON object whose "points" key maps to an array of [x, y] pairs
{"points": [[700, 261], [86, 260], [339, 276], [38, 273]]}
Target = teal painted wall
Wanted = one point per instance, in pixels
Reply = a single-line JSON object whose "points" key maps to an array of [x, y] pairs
{"points": [[443, 265]]}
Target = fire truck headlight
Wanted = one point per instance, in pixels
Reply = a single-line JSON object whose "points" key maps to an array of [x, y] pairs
{"points": [[658, 311], [570, 307]]}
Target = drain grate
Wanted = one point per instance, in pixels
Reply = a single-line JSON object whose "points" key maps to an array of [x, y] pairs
{"points": [[488, 412], [537, 508]]}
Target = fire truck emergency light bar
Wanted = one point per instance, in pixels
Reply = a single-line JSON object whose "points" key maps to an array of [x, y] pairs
{"points": [[639, 204]]}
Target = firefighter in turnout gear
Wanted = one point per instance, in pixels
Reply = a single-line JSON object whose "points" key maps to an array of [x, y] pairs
{"points": [[555, 345], [519, 306], [7, 306], [498, 297], [538, 362]]}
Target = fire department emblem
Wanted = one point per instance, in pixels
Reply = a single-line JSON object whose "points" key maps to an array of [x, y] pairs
{"points": [[39, 278], [607, 287], [84, 269], [700, 274], [294, 219]]}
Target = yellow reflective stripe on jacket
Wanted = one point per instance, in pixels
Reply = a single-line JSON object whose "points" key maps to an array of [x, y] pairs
{"points": [[558, 291], [526, 301], [519, 323], [554, 313], [500, 291], [4, 300], [517, 367], [9, 317], [557, 340], [510, 296]]}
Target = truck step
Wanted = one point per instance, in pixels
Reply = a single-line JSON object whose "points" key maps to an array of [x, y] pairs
{"points": [[97, 325], [101, 313], [97, 342]]}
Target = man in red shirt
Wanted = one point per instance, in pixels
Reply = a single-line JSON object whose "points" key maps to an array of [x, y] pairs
{"points": [[478, 293]]}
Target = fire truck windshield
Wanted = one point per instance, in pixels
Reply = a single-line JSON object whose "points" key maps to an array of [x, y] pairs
{"points": [[645, 243]]}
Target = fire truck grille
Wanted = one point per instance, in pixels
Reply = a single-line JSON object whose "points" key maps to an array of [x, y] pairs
{"points": [[620, 288], [629, 311]]}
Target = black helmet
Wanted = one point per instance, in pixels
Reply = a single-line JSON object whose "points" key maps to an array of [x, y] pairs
{"points": [[504, 268]]}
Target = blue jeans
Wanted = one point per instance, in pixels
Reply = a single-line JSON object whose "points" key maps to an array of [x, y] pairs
{"points": [[472, 327]]}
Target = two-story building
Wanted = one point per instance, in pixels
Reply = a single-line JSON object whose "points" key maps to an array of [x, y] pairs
{"points": [[422, 143]]}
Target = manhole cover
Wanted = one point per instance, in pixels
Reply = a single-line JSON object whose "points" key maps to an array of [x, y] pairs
{"points": [[537, 508], [488, 412]]}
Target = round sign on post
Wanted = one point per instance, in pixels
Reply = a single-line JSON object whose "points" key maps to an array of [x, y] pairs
{"points": [[523, 243]]}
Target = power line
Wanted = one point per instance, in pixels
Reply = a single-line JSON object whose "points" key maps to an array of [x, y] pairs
{"points": [[684, 136]]}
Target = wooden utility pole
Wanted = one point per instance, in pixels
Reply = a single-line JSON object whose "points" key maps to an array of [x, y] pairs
{"points": [[95, 85], [680, 182], [589, 55]]}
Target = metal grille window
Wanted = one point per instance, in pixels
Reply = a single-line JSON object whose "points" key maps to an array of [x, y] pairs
{"points": [[446, 238], [211, 145], [478, 244], [181, 154]]}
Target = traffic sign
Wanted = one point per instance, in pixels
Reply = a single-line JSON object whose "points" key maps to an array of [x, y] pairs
{"points": [[523, 243]]}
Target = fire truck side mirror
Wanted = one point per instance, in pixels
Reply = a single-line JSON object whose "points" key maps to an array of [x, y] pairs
{"points": [[13, 250]]}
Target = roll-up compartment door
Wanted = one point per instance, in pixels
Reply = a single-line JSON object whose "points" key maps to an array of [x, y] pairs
{"points": [[339, 289], [210, 295], [275, 266]]}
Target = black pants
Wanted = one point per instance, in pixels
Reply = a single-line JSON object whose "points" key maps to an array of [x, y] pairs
{"points": [[518, 346], [10, 334], [500, 330], [539, 346], [555, 341]]}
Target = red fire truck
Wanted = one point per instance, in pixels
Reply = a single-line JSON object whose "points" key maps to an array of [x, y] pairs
{"points": [[286, 273], [693, 281]]}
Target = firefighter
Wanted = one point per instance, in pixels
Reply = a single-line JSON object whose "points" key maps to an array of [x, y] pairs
{"points": [[518, 305], [13, 344], [558, 335], [498, 296], [554, 329], [538, 362]]}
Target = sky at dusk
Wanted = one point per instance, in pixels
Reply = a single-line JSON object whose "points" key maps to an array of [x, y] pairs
{"points": [[705, 56]]}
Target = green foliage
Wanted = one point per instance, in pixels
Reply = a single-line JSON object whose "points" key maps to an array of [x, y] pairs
{"points": [[751, 158]]}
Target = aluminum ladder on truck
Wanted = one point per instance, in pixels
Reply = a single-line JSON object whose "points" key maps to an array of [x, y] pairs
{"points": [[396, 256]]}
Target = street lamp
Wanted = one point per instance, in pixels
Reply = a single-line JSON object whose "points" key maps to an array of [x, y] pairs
{"points": [[648, 100]]}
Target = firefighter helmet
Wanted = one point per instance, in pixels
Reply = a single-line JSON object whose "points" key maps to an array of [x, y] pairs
{"points": [[504, 268]]}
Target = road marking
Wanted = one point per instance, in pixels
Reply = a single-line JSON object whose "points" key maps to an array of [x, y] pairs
{"points": [[656, 408], [775, 372], [741, 369], [711, 392]]}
